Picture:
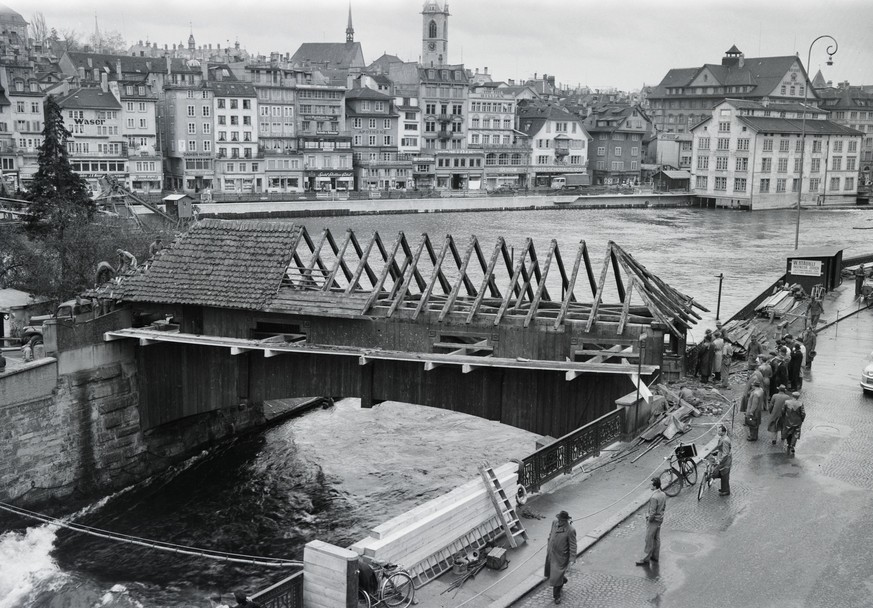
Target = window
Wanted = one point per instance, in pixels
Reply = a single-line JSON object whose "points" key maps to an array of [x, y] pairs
{"points": [[782, 165], [386, 124], [635, 151], [765, 185], [723, 143], [721, 163], [372, 123], [766, 164], [387, 140], [618, 150], [814, 184], [837, 163], [371, 140], [206, 112], [816, 146], [222, 120], [743, 144], [853, 146], [192, 128], [601, 151], [783, 145], [143, 123], [130, 123], [207, 128], [247, 120], [192, 145], [703, 162], [768, 145], [356, 123], [703, 143], [247, 104], [835, 183], [739, 184], [724, 127], [234, 104], [742, 164], [815, 165], [721, 183], [191, 111], [207, 146], [234, 120], [701, 182], [780, 184], [849, 184], [850, 163], [838, 145], [796, 165]]}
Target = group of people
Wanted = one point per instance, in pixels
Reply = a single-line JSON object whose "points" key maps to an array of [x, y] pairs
{"points": [[714, 357]]}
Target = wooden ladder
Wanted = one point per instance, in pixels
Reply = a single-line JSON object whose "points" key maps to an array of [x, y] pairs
{"points": [[505, 511]]}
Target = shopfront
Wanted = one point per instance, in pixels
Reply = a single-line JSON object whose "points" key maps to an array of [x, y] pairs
{"points": [[329, 180]]}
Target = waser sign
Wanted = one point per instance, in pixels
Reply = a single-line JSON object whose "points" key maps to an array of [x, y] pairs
{"points": [[806, 268], [89, 121]]}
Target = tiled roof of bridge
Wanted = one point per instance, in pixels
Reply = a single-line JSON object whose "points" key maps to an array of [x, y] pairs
{"points": [[229, 264]]}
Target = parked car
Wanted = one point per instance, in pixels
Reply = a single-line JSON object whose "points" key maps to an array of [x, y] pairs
{"points": [[867, 376], [70, 310]]}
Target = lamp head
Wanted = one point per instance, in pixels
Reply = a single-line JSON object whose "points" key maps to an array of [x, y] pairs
{"points": [[830, 60]]}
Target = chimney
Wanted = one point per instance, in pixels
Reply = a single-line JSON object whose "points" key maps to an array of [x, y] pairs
{"points": [[742, 60], [169, 68], [104, 82], [81, 72], [118, 68], [486, 69], [90, 63], [96, 74]]}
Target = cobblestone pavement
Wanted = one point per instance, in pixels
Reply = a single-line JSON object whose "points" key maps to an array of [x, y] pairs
{"points": [[795, 532]]}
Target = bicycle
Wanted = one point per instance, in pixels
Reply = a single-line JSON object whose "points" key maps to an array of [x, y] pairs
{"points": [[711, 467], [682, 469], [394, 587]]}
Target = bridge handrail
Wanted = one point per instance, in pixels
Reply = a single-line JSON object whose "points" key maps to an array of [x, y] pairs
{"points": [[287, 593], [561, 456]]}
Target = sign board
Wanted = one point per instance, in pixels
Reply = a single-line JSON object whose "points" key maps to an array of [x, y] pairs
{"points": [[806, 268]]}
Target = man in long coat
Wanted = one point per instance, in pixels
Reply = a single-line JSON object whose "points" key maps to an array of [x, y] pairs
{"points": [[754, 409], [809, 339], [717, 354], [777, 409], [654, 519], [561, 553], [794, 416]]}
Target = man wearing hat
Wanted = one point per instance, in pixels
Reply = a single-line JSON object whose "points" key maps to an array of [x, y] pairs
{"points": [[776, 407], [754, 408], [654, 519], [794, 416], [561, 553]]}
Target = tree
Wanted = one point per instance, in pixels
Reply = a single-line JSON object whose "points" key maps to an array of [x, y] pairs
{"points": [[71, 39], [59, 202], [108, 42], [39, 31]]}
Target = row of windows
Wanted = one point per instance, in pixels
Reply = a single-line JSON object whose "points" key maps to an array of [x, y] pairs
{"points": [[619, 136], [740, 184], [234, 136], [34, 107], [98, 167], [140, 106], [234, 120], [277, 110], [486, 140], [616, 165], [742, 164], [634, 151], [487, 123], [358, 123], [233, 104], [372, 140], [459, 161], [492, 106]]}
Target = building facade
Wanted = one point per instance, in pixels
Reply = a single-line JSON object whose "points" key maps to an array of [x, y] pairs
{"points": [[373, 123], [21, 122], [559, 143], [852, 106], [619, 134], [323, 140], [750, 155], [239, 165], [139, 128], [491, 128]]}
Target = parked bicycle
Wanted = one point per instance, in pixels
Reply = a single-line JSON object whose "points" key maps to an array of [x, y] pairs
{"points": [[706, 482], [682, 469], [393, 587]]}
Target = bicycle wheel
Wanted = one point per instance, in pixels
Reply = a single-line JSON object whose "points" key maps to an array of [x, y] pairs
{"points": [[689, 470], [671, 482], [703, 487], [397, 590], [363, 599]]}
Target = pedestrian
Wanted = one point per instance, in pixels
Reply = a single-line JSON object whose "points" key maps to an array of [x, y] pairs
{"points": [[809, 339], [727, 355], [156, 247], [753, 352], [717, 354], [766, 374], [706, 359], [724, 460], [776, 407], [754, 408], [781, 375], [561, 553], [27, 352], [654, 519], [814, 311], [244, 602], [859, 279], [794, 367], [794, 415]]}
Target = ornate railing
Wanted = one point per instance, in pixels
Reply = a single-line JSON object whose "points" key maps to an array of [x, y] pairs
{"points": [[287, 593], [560, 457]]}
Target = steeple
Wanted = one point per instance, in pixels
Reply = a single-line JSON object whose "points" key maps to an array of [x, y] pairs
{"points": [[350, 31], [191, 43]]}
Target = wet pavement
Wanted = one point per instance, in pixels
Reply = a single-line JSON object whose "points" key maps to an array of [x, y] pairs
{"points": [[796, 531]]}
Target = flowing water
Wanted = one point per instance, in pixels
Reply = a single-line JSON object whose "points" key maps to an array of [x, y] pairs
{"points": [[332, 474]]}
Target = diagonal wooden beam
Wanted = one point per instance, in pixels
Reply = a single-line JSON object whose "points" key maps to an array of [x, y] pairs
{"points": [[487, 279], [339, 262], [568, 293], [527, 277], [508, 261], [413, 268], [391, 262], [653, 308], [625, 309], [383, 275], [509, 292], [564, 280], [541, 288], [407, 261], [617, 272], [589, 270], [492, 284], [592, 316], [463, 279], [657, 298], [444, 282], [363, 264], [340, 254], [437, 272], [418, 278], [468, 284], [316, 256]]}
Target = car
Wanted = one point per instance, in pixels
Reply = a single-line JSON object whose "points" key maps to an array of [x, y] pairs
{"points": [[70, 310], [867, 376]]}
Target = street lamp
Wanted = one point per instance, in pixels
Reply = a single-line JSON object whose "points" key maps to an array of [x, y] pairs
{"points": [[832, 50]]}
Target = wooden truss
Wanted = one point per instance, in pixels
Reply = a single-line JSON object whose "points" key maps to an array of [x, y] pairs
{"points": [[410, 279]]}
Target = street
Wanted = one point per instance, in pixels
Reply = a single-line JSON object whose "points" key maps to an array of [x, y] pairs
{"points": [[796, 531]]}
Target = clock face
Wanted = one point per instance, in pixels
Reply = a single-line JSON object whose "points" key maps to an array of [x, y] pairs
{"points": [[431, 45]]}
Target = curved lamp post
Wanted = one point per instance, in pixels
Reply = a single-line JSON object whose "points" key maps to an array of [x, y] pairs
{"points": [[832, 50]]}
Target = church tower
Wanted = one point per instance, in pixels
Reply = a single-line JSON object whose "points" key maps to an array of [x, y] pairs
{"points": [[435, 34], [350, 31]]}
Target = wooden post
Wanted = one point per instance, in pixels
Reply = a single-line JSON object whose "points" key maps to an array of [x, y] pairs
{"points": [[330, 576]]}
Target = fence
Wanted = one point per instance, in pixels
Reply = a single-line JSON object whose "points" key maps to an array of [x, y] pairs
{"points": [[560, 457], [287, 593]]}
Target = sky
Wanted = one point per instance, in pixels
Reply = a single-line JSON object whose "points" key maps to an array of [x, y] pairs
{"points": [[608, 43]]}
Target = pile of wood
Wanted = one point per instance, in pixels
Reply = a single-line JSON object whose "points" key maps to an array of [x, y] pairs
{"points": [[672, 421], [425, 539], [740, 333]]}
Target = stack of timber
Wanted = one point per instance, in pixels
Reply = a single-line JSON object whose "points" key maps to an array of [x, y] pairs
{"points": [[670, 422], [740, 333], [425, 539], [777, 305]]}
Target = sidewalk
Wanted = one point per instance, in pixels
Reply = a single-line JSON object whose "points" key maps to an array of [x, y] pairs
{"points": [[599, 496]]}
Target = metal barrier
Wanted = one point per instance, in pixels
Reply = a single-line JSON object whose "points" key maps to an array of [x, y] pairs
{"points": [[287, 593], [560, 457]]}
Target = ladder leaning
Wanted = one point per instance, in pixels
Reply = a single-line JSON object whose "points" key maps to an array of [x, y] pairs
{"points": [[505, 511]]}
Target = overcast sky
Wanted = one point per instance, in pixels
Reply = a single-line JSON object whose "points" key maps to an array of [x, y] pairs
{"points": [[621, 43]]}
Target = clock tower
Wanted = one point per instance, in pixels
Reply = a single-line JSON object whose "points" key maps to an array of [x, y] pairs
{"points": [[435, 34]]}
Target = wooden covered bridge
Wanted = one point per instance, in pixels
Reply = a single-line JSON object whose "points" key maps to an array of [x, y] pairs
{"points": [[262, 310]]}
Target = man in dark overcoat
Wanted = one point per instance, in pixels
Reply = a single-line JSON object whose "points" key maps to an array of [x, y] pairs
{"points": [[561, 553]]}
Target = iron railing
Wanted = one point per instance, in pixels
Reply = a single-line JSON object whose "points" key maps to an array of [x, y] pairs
{"points": [[287, 593], [560, 457]]}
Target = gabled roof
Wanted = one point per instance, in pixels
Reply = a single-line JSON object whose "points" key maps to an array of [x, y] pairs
{"points": [[342, 55], [231, 88], [228, 264], [794, 125], [764, 73], [382, 63], [89, 99], [444, 73], [129, 65], [365, 93]]}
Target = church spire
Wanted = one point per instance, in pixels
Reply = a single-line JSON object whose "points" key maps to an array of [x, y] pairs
{"points": [[350, 31]]}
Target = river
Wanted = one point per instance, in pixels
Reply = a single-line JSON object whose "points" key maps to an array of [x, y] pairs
{"points": [[331, 474]]}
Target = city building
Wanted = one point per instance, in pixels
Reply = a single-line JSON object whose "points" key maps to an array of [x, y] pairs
{"points": [[373, 123], [139, 129], [852, 106], [97, 146], [750, 155], [559, 142], [335, 60], [323, 140], [21, 122], [619, 133], [686, 96], [491, 129], [435, 34], [239, 164]]}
